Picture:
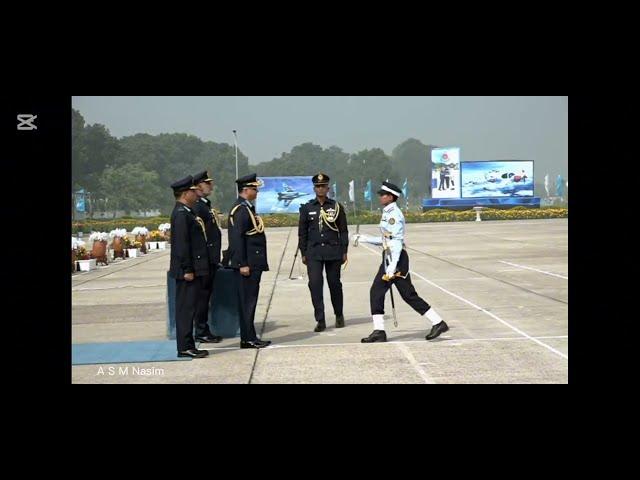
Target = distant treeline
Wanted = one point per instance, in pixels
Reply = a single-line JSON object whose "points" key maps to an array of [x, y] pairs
{"points": [[134, 173]]}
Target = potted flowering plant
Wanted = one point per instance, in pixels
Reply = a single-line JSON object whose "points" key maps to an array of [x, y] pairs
{"points": [[141, 236], [154, 237], [99, 248], [85, 262], [117, 242], [165, 230], [132, 252]]}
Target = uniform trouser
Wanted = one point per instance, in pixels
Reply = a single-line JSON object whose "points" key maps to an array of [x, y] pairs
{"points": [[405, 287], [188, 296], [202, 315], [316, 285], [249, 289]]}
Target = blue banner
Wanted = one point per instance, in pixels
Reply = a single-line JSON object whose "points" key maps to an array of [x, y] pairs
{"points": [[80, 201], [367, 192], [560, 186]]}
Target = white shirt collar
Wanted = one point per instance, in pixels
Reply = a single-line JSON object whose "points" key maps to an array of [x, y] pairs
{"points": [[389, 207]]}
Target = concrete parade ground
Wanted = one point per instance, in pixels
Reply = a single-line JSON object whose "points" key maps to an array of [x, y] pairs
{"points": [[502, 286]]}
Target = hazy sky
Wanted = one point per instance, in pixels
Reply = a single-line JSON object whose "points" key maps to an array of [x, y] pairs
{"points": [[486, 128]]}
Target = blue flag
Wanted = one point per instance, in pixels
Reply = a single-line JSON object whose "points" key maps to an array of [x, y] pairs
{"points": [[80, 205], [405, 188], [367, 192], [560, 186]]}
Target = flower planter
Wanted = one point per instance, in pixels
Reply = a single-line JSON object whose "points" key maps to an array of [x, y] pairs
{"points": [[143, 240], [133, 252], [99, 251], [162, 245], [118, 248], [87, 265], [152, 245]]}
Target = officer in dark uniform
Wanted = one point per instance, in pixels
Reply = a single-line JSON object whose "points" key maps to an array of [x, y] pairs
{"points": [[189, 265], [203, 209], [323, 240], [247, 254]]}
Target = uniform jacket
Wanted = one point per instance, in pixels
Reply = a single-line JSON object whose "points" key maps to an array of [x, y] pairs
{"points": [[189, 253], [246, 248], [316, 239], [203, 209], [392, 231]]}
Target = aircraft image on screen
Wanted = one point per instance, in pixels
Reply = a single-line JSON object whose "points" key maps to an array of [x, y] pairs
{"points": [[284, 194], [495, 176], [288, 195], [510, 179]]}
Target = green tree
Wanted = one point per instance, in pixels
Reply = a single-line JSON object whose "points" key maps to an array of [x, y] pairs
{"points": [[93, 149], [129, 187], [374, 165], [174, 156], [219, 159], [78, 151], [309, 159], [412, 160]]}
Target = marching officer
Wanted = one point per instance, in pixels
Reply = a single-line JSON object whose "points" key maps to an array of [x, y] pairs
{"points": [[247, 254], [189, 265], [203, 209], [394, 269], [323, 243]]}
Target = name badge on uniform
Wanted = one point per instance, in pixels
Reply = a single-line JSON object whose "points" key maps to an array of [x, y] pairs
{"points": [[313, 213]]}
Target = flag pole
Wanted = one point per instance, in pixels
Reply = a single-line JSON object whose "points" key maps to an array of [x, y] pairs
{"points": [[235, 136]]}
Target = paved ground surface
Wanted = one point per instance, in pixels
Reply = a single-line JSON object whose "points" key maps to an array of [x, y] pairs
{"points": [[501, 286]]}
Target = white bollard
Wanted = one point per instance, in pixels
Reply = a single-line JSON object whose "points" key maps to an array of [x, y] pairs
{"points": [[478, 210]]}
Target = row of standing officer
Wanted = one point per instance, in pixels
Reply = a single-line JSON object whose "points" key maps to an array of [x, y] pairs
{"points": [[196, 242]]}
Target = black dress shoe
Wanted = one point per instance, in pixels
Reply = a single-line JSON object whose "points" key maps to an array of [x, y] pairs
{"points": [[194, 353], [320, 327], [376, 336], [209, 339], [255, 344], [437, 330], [339, 321]]}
